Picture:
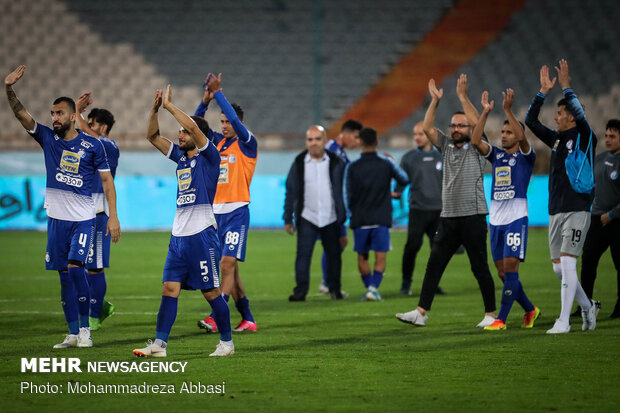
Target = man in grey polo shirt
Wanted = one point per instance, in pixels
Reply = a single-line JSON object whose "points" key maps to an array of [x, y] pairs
{"points": [[462, 218]]}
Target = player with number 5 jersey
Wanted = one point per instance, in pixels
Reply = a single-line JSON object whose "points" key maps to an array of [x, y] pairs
{"points": [[239, 152], [508, 217]]}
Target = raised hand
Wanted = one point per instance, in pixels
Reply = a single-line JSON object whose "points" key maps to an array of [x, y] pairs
{"points": [[214, 83], [157, 101], [546, 84], [15, 75], [563, 77], [461, 85], [509, 96], [83, 101], [436, 94], [208, 96], [486, 106], [168, 96]]}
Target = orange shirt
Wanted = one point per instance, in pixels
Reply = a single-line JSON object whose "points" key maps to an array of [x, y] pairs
{"points": [[236, 171]]}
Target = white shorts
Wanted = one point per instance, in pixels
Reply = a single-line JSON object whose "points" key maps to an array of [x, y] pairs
{"points": [[567, 233]]}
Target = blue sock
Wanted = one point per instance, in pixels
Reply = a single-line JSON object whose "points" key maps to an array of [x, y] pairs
{"points": [[78, 276], [98, 288], [324, 267], [509, 294], [226, 297], [523, 300], [377, 277], [68, 298], [166, 316], [367, 280], [243, 306], [222, 317]]}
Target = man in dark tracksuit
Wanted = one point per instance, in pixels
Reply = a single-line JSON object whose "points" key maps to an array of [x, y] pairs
{"points": [[368, 188], [315, 201]]}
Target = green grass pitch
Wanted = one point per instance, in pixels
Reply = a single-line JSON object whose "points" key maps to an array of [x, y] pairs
{"points": [[319, 355]]}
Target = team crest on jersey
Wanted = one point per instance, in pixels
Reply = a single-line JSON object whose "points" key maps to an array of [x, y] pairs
{"points": [[438, 166], [70, 161], [81, 153], [613, 175], [512, 162], [502, 176], [569, 144], [86, 144], [192, 163], [232, 158], [184, 177]]}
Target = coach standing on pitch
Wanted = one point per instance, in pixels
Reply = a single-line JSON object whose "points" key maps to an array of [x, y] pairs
{"points": [[464, 207]]}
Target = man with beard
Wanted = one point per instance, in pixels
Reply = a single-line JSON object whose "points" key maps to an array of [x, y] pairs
{"points": [[512, 169], [72, 159], [464, 209], [194, 250]]}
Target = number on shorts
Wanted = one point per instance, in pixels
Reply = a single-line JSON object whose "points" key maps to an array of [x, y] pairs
{"points": [[232, 238], [82, 240], [513, 238], [204, 267], [576, 235]]}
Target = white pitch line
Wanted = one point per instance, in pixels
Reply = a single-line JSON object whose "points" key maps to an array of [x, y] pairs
{"points": [[59, 312], [117, 298]]}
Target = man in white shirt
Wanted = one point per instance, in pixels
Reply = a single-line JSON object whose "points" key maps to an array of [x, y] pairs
{"points": [[314, 200]]}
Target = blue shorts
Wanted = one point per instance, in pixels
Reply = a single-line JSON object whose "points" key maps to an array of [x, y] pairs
{"points": [[67, 240], [99, 254], [194, 260], [232, 229], [376, 239], [509, 240]]}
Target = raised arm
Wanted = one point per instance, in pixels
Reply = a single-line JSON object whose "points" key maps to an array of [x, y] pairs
{"points": [[509, 96], [476, 135], [574, 106], [152, 133], [18, 109], [82, 103], [461, 91], [545, 134], [187, 123], [242, 132], [206, 98], [114, 227], [428, 125]]}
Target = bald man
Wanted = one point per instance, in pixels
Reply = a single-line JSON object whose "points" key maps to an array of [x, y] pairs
{"points": [[314, 205]]}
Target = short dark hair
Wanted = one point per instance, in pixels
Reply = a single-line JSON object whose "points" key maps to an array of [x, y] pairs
{"points": [[458, 112], [66, 99], [102, 116], [507, 122], [202, 124], [564, 102], [351, 125], [238, 111], [613, 124], [368, 136]]}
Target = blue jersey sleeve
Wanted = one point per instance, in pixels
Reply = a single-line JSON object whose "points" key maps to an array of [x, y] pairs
{"points": [[211, 153], [112, 153], [175, 153], [201, 109], [247, 141], [41, 133], [575, 109], [529, 157], [398, 173], [100, 158], [491, 155], [548, 136]]}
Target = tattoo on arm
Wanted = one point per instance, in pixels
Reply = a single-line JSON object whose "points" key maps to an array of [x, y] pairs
{"points": [[15, 104]]}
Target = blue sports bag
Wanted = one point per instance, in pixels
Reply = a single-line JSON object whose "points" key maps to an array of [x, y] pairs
{"points": [[579, 168]]}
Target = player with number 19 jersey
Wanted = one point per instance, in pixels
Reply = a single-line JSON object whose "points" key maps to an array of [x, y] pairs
{"points": [[194, 231], [509, 212], [71, 168]]}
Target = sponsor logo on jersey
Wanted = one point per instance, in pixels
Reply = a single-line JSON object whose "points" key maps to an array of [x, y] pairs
{"points": [[500, 155], [502, 176], [69, 180], [184, 177], [70, 161], [223, 178], [86, 144], [503, 195], [555, 145], [186, 199]]}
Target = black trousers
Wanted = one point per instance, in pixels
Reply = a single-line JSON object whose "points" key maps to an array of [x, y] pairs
{"points": [[599, 238], [471, 231], [306, 238], [420, 223]]}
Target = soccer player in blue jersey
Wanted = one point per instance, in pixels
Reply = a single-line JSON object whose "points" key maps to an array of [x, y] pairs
{"points": [[239, 152], [569, 210], [72, 159], [194, 250], [347, 139], [508, 217], [99, 124]]}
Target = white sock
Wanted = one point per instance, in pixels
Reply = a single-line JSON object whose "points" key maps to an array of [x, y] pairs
{"points": [[571, 289], [161, 343], [557, 269]]}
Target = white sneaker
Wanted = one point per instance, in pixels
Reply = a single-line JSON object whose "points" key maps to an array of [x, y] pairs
{"points": [[486, 321], [559, 328], [589, 316], [372, 294], [323, 289], [70, 341], [223, 349], [413, 317], [83, 339], [151, 350]]}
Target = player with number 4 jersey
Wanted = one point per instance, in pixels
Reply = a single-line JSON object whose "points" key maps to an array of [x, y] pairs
{"points": [[508, 217]]}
